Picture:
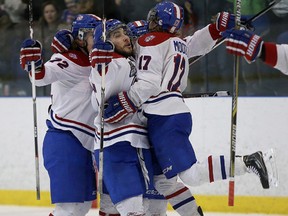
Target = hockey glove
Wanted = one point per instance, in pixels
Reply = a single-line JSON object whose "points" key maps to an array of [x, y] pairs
{"points": [[62, 41], [243, 43], [31, 51], [118, 107], [102, 52], [224, 21]]}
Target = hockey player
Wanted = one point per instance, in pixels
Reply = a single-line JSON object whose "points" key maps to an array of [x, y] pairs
{"points": [[178, 195], [69, 141], [123, 172], [251, 46], [162, 65]]}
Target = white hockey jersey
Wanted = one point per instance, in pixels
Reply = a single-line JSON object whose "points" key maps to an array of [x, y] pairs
{"points": [[282, 58], [71, 107], [200, 43], [163, 69], [119, 77], [276, 55]]}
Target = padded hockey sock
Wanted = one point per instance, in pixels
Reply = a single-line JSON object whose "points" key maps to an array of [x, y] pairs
{"points": [[215, 168], [177, 194], [183, 202]]}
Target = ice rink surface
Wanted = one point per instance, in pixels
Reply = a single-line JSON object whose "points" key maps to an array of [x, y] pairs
{"points": [[44, 211]]}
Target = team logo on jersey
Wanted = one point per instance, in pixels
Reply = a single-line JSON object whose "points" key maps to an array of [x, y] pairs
{"points": [[149, 38], [133, 69], [72, 55]]}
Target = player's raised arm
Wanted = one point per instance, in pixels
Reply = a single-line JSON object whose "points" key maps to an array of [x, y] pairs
{"points": [[204, 40], [251, 46], [31, 51]]}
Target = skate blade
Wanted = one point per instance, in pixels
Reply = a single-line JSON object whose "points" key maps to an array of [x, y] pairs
{"points": [[270, 161]]}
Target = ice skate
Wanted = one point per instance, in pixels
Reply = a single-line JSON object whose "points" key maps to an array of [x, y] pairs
{"points": [[255, 163]]}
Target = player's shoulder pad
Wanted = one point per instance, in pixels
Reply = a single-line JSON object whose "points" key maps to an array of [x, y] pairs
{"points": [[154, 38], [77, 57]]}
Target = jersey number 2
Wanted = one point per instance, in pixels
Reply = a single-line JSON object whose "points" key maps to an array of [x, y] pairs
{"points": [[62, 64]]}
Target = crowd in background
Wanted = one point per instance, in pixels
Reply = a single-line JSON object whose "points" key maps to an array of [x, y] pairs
{"points": [[211, 73]]}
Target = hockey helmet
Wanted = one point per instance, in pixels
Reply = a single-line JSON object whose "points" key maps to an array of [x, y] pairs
{"points": [[112, 25], [137, 28], [168, 15], [84, 23]]}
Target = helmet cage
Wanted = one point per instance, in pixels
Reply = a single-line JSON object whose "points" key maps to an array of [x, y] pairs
{"points": [[83, 31]]}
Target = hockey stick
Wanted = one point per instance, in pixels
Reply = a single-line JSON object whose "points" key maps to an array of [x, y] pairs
{"points": [[207, 94], [221, 40], [34, 108], [234, 112], [101, 150]]}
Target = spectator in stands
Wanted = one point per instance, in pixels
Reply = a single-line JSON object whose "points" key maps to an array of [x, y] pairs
{"points": [[47, 27], [14, 28], [71, 11], [6, 27]]}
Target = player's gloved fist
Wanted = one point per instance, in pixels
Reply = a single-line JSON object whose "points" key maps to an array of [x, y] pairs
{"points": [[102, 52], [243, 43], [224, 21], [31, 52], [62, 41], [118, 107]]}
